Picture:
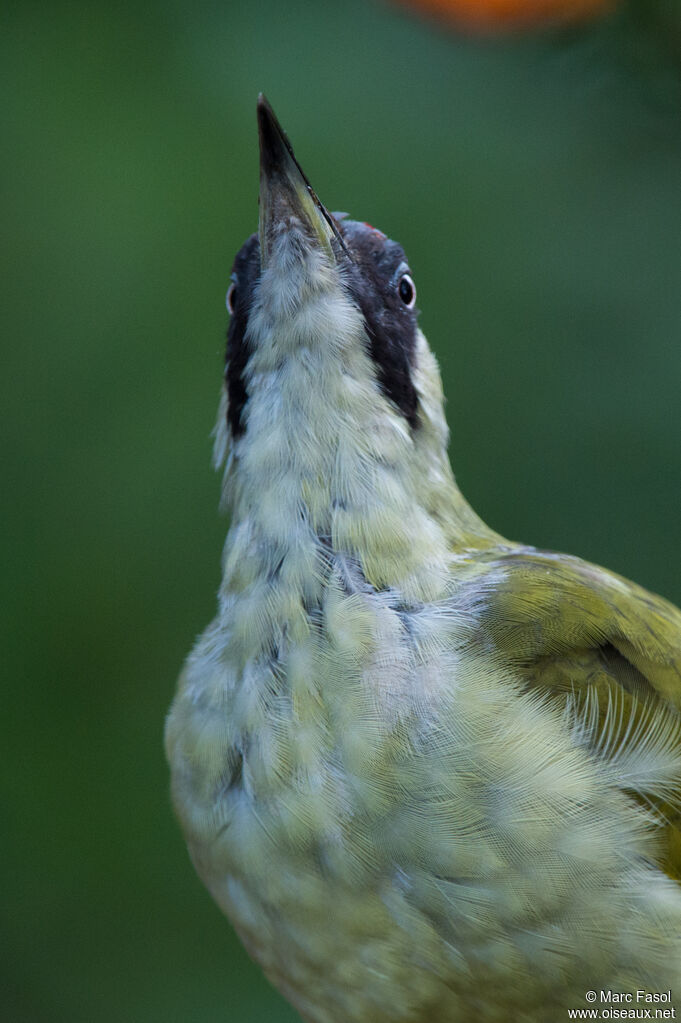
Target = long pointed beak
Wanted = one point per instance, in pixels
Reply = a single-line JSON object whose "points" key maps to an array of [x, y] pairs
{"points": [[285, 192]]}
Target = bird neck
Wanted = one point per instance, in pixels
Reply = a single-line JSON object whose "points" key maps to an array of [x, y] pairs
{"points": [[322, 470]]}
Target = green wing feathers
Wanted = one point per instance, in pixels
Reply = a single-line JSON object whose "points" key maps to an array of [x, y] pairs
{"points": [[610, 653]]}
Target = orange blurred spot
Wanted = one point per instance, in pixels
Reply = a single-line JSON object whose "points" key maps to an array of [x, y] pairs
{"points": [[493, 14]]}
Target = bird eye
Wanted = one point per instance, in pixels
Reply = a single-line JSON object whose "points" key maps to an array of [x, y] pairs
{"points": [[407, 291], [230, 300]]}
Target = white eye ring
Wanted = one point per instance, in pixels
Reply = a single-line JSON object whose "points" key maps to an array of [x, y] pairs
{"points": [[230, 298], [406, 289]]}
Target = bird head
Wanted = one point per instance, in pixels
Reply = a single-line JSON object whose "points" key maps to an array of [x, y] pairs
{"points": [[332, 410]]}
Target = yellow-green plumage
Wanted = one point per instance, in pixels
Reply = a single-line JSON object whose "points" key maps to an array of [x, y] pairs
{"points": [[578, 632], [430, 775]]}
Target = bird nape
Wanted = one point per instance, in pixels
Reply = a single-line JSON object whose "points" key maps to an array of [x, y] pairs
{"points": [[428, 774]]}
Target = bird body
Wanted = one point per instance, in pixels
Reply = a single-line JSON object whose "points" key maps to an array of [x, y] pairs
{"points": [[427, 773]]}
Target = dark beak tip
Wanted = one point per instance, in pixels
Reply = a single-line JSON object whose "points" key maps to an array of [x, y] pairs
{"points": [[274, 145], [265, 112]]}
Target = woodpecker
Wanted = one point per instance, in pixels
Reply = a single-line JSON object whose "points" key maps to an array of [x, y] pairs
{"points": [[429, 774]]}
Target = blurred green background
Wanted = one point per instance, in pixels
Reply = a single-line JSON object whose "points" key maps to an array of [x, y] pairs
{"points": [[535, 184]]}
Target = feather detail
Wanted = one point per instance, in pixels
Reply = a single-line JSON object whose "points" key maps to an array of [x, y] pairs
{"points": [[639, 746]]}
